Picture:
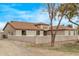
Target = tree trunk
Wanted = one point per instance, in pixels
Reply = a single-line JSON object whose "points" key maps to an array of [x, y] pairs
{"points": [[51, 24], [52, 40], [54, 36]]}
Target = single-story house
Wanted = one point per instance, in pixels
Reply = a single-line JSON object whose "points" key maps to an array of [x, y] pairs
{"points": [[32, 29], [25, 28]]}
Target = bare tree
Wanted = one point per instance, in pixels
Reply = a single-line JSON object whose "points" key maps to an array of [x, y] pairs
{"points": [[63, 10], [53, 10], [52, 14]]}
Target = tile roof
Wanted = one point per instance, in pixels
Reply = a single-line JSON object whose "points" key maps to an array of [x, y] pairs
{"points": [[23, 26], [63, 28], [33, 26], [41, 24]]}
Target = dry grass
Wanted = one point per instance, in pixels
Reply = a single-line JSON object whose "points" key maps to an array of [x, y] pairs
{"points": [[67, 47]]}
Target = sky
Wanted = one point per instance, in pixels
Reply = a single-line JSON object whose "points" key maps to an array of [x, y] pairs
{"points": [[25, 12]]}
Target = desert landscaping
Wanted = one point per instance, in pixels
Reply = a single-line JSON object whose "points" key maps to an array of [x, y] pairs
{"points": [[18, 48]]}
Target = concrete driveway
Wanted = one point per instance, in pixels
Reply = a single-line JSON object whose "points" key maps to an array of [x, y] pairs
{"points": [[16, 48]]}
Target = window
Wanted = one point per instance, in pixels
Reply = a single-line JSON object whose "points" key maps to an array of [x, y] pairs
{"points": [[23, 32], [38, 33], [45, 33]]}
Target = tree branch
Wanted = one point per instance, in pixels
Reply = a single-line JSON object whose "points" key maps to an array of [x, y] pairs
{"points": [[73, 22], [58, 27]]}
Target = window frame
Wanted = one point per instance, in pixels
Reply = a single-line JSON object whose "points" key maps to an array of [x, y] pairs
{"points": [[23, 32]]}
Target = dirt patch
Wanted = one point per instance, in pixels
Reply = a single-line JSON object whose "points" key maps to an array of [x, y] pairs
{"points": [[17, 48]]}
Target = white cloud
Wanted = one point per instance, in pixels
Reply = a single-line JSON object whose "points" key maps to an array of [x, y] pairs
{"points": [[2, 24], [10, 14]]}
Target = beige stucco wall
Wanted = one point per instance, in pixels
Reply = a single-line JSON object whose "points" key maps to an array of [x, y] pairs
{"points": [[61, 33], [9, 30], [29, 39], [58, 33], [30, 32], [18, 33], [43, 39], [76, 32], [41, 33], [66, 33], [33, 33], [72, 33]]}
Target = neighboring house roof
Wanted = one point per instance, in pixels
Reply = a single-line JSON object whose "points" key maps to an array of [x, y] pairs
{"points": [[70, 28], [63, 28], [22, 26]]}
